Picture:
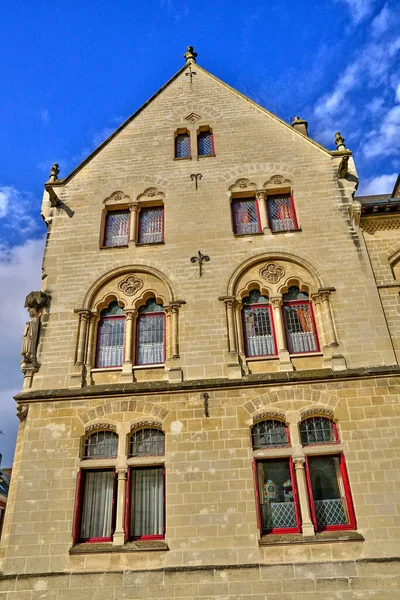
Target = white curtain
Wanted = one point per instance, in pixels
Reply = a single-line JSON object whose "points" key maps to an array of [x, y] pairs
{"points": [[97, 504], [147, 505]]}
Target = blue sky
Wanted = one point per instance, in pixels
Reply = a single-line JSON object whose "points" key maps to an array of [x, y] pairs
{"points": [[72, 72]]}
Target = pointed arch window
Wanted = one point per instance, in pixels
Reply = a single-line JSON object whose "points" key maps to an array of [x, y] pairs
{"points": [[150, 334], [257, 325], [111, 336], [299, 322], [205, 143]]}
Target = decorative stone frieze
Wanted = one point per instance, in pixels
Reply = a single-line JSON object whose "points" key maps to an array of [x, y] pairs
{"points": [[146, 423], [100, 426], [269, 414], [313, 412]]}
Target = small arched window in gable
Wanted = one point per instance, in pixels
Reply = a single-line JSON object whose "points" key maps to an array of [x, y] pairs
{"points": [[257, 325], [299, 322], [281, 213], [269, 434], [111, 336], [116, 231], [318, 430], [182, 144], [245, 216], [150, 349], [147, 442], [101, 444], [205, 142]]}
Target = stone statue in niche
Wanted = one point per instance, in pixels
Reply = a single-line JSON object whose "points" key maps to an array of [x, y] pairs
{"points": [[35, 302]]}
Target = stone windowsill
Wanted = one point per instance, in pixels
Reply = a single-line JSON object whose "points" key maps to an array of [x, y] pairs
{"points": [[277, 232], [105, 547], [297, 538]]}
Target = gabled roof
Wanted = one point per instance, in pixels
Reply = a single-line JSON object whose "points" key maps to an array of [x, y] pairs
{"points": [[61, 182]]}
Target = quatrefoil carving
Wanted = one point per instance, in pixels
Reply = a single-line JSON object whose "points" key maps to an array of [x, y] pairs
{"points": [[130, 285]]}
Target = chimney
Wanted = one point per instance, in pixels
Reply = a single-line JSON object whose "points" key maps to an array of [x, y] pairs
{"points": [[300, 125]]}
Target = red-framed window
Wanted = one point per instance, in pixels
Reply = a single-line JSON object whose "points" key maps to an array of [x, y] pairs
{"points": [[318, 430], [151, 225], [329, 493], [116, 231], [205, 143], [101, 444], [245, 216], [145, 503], [111, 337], [148, 441], [183, 146], [95, 505], [281, 213], [276, 496], [150, 334], [270, 434], [258, 328], [298, 316]]}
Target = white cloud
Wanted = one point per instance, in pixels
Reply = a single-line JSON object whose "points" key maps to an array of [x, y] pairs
{"points": [[398, 94], [20, 273], [385, 140], [15, 209], [383, 184], [359, 9], [381, 22]]}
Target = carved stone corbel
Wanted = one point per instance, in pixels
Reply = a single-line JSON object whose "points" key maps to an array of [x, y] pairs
{"points": [[22, 412], [355, 214]]}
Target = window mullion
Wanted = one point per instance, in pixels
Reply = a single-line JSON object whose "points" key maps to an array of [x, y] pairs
{"points": [[307, 516]]}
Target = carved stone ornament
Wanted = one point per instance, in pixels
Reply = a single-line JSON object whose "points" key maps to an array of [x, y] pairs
{"points": [[270, 414], [22, 411], [192, 118], [37, 300], [34, 302], [141, 424], [317, 412], [272, 273], [130, 285], [103, 426]]}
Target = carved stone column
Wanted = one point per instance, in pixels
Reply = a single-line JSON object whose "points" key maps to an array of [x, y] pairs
{"points": [[234, 367], [168, 335], [134, 208], [240, 339], [307, 525], [77, 375], [261, 196], [90, 349], [127, 373], [285, 364], [119, 533], [338, 361], [172, 338], [316, 299]]}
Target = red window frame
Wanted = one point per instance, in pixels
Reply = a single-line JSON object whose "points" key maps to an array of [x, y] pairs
{"points": [[212, 142], [176, 145], [234, 201], [98, 340], [277, 530], [80, 486], [352, 524], [144, 316], [108, 214], [294, 216], [128, 504], [144, 209], [293, 303], [335, 433], [254, 307], [288, 441]]}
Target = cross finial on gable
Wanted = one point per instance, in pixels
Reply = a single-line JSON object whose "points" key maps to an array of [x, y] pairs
{"points": [[190, 55]]}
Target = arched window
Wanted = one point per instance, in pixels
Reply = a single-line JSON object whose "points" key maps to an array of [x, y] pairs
{"points": [[318, 430], [257, 325], [111, 336], [101, 444], [150, 334], [146, 442], [205, 143], [299, 322], [269, 434], [182, 145]]}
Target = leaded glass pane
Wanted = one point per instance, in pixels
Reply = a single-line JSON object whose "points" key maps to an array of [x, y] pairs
{"points": [[276, 495], [317, 430], [205, 143], [112, 310], [255, 298], [147, 502], [150, 225], [245, 216], [268, 434], [182, 146], [146, 442], [294, 294], [150, 339], [117, 229], [280, 213], [151, 306], [299, 328], [258, 331], [101, 444], [328, 491], [111, 337]]}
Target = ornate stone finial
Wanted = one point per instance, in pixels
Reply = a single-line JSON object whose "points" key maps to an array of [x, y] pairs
{"points": [[54, 171], [190, 55], [339, 141]]}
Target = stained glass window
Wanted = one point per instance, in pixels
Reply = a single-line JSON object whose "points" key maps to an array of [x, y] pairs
{"points": [[117, 228], [268, 434], [150, 334], [258, 334], [151, 225], [245, 216], [317, 430], [111, 337], [182, 146], [281, 213], [277, 496], [205, 143], [299, 322], [147, 442]]}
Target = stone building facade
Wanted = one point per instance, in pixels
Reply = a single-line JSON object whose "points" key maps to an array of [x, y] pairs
{"points": [[211, 378]]}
